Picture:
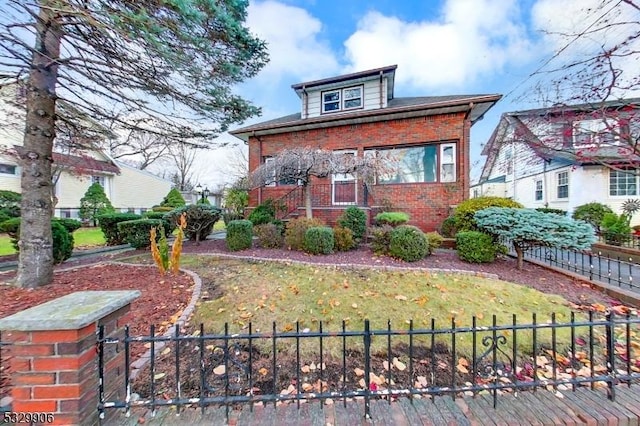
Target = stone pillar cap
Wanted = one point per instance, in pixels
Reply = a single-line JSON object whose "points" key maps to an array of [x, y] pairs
{"points": [[71, 312]]}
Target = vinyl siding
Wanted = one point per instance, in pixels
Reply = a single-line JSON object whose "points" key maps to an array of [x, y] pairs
{"points": [[371, 95], [136, 188]]}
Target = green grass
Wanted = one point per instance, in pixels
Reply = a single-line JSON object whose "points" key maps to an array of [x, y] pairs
{"points": [[83, 238], [264, 292]]}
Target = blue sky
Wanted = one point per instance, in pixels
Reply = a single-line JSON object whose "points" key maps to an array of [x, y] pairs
{"points": [[441, 47]]}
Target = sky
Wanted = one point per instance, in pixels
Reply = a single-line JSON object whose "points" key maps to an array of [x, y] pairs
{"points": [[441, 47]]}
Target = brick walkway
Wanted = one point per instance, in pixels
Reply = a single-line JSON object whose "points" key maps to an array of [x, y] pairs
{"points": [[540, 408]]}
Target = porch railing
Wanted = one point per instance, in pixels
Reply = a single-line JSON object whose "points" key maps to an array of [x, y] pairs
{"points": [[590, 350], [325, 195]]}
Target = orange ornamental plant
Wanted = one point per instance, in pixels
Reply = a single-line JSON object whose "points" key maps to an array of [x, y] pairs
{"points": [[160, 248]]}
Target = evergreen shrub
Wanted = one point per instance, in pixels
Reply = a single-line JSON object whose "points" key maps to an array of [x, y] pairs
{"points": [[356, 220], [391, 218], [343, 238], [109, 225], [408, 243], [475, 247], [136, 232], [319, 240], [295, 231], [269, 235], [239, 235]]}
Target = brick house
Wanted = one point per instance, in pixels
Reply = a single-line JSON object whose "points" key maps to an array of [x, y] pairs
{"points": [[428, 137]]}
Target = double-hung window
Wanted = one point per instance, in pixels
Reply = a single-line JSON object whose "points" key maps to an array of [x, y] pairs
{"points": [[342, 99], [274, 179], [8, 169], [562, 180], [538, 193]]}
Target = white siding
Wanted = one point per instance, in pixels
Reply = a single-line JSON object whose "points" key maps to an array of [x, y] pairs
{"points": [[371, 98], [137, 188]]}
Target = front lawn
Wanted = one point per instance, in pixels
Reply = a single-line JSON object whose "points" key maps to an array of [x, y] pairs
{"points": [[83, 238], [241, 292]]}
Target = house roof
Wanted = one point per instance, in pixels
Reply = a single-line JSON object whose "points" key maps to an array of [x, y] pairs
{"points": [[85, 163], [583, 156], [475, 105], [355, 77]]}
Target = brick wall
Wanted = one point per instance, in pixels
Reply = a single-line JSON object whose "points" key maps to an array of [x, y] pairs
{"points": [[428, 204]]}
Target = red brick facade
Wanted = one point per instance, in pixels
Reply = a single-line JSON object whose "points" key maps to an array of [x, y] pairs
{"points": [[428, 204]]}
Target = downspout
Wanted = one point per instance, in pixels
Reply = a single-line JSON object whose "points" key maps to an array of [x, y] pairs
{"points": [[545, 188], [259, 163], [466, 134], [381, 87], [305, 101]]}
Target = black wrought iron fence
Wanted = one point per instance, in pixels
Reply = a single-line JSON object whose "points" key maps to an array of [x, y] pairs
{"points": [[621, 240], [291, 366], [622, 272]]}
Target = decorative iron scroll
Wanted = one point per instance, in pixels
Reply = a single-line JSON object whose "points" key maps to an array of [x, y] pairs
{"points": [[226, 365], [491, 369]]}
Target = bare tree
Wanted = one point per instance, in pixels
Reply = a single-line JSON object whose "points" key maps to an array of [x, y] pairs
{"points": [[175, 62], [300, 165]]}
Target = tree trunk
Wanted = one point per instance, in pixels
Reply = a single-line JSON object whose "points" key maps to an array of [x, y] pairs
{"points": [[307, 201], [520, 254], [35, 266]]}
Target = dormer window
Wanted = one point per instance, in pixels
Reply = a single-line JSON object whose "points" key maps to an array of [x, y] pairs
{"points": [[342, 99]]}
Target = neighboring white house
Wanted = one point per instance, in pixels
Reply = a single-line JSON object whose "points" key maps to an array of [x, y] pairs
{"points": [[128, 188], [564, 157]]}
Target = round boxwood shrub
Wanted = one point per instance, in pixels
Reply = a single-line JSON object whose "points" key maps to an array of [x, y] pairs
{"points": [[408, 243], [109, 225], [62, 238], [295, 231], [475, 247], [239, 235], [137, 233], [319, 240], [463, 214], [392, 218], [62, 242], [356, 220], [269, 235], [343, 238]]}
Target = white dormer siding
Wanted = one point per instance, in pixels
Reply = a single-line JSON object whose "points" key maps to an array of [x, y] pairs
{"points": [[374, 96]]}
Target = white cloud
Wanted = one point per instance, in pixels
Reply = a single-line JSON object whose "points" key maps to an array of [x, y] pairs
{"points": [[472, 39], [296, 48]]}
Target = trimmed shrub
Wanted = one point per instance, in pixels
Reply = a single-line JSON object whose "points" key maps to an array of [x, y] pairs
{"points": [[94, 203], [10, 203], [109, 225], [269, 235], [380, 239], [356, 220], [62, 238], [448, 227], [463, 215], [137, 232], [167, 224], [343, 238], [229, 216], [319, 240], [4, 216], [475, 247], [295, 231], [162, 209], [592, 213], [615, 229], [554, 211], [408, 243], [435, 241], [70, 225], [62, 242], [239, 235], [200, 220], [173, 199], [263, 213], [391, 218]]}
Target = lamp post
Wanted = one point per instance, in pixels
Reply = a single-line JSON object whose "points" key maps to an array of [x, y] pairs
{"points": [[203, 193]]}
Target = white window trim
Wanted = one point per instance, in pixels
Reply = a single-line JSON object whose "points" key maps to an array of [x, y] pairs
{"points": [[268, 160], [558, 186], [595, 127], [341, 99], [621, 196], [344, 177], [15, 174], [440, 160], [535, 190]]}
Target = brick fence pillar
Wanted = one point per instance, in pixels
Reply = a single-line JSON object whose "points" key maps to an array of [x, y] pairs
{"points": [[53, 356]]}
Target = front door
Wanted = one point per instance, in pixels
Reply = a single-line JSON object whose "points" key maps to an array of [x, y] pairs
{"points": [[344, 186]]}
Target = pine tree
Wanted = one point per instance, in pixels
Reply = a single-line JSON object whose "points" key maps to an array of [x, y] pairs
{"points": [[94, 203]]}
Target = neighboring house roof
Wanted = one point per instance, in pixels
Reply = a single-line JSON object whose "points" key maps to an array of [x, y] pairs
{"points": [[475, 105], [578, 155], [85, 163]]}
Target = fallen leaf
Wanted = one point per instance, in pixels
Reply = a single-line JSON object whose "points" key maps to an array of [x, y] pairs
{"points": [[401, 297], [401, 366], [359, 372], [219, 370], [263, 371], [159, 376]]}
